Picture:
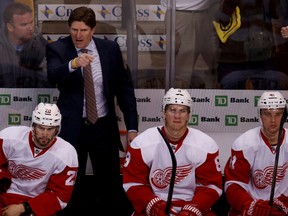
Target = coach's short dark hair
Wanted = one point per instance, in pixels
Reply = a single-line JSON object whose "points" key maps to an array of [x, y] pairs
{"points": [[83, 14]]}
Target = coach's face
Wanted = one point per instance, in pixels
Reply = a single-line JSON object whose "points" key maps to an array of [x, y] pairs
{"points": [[81, 34]]}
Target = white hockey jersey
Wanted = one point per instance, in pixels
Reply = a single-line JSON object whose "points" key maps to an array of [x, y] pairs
{"points": [[251, 167], [148, 167], [45, 178]]}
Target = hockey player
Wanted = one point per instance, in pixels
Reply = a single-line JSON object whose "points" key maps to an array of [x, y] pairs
{"points": [[148, 169], [249, 170], [37, 168]]}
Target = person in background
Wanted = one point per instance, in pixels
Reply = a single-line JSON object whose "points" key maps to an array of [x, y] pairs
{"points": [[284, 24], [147, 171], [195, 38], [3, 4], [282, 50], [284, 31], [250, 168], [38, 169], [22, 57], [98, 138], [247, 60]]}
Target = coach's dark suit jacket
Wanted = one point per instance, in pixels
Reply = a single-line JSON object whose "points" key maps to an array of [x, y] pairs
{"points": [[116, 80]]}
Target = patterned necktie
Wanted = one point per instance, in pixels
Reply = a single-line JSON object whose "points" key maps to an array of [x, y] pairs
{"points": [[91, 108]]}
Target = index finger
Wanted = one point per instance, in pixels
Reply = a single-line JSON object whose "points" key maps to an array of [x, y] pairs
{"points": [[89, 57]]}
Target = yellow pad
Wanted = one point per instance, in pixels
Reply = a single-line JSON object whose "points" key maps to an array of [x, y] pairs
{"points": [[224, 32]]}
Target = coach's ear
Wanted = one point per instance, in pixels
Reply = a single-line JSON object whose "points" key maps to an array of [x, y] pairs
{"points": [[5, 180]]}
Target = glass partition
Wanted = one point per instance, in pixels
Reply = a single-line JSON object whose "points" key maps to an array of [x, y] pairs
{"points": [[137, 26], [200, 44], [227, 44]]}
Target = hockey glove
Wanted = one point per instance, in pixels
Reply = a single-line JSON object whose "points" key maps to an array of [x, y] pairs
{"points": [[156, 207], [190, 210], [282, 203], [261, 208]]}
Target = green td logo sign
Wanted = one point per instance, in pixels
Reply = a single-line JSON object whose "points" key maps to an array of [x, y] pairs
{"points": [[221, 100], [5, 99], [194, 120], [231, 120], [45, 98], [256, 99], [14, 119]]}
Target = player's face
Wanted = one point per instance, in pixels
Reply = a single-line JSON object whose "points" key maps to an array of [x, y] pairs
{"points": [[81, 34], [176, 117], [271, 119], [21, 28], [44, 135]]}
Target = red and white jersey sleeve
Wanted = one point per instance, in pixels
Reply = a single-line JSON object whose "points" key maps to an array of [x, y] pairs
{"points": [[46, 178], [249, 170], [148, 167]]}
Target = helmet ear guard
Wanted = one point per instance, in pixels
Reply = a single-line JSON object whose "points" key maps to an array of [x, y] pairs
{"points": [[47, 115], [176, 96], [271, 100]]}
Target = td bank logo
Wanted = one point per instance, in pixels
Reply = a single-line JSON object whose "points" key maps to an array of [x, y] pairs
{"points": [[45, 98], [5, 99], [14, 119], [221, 100], [231, 120], [194, 120], [256, 99]]}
